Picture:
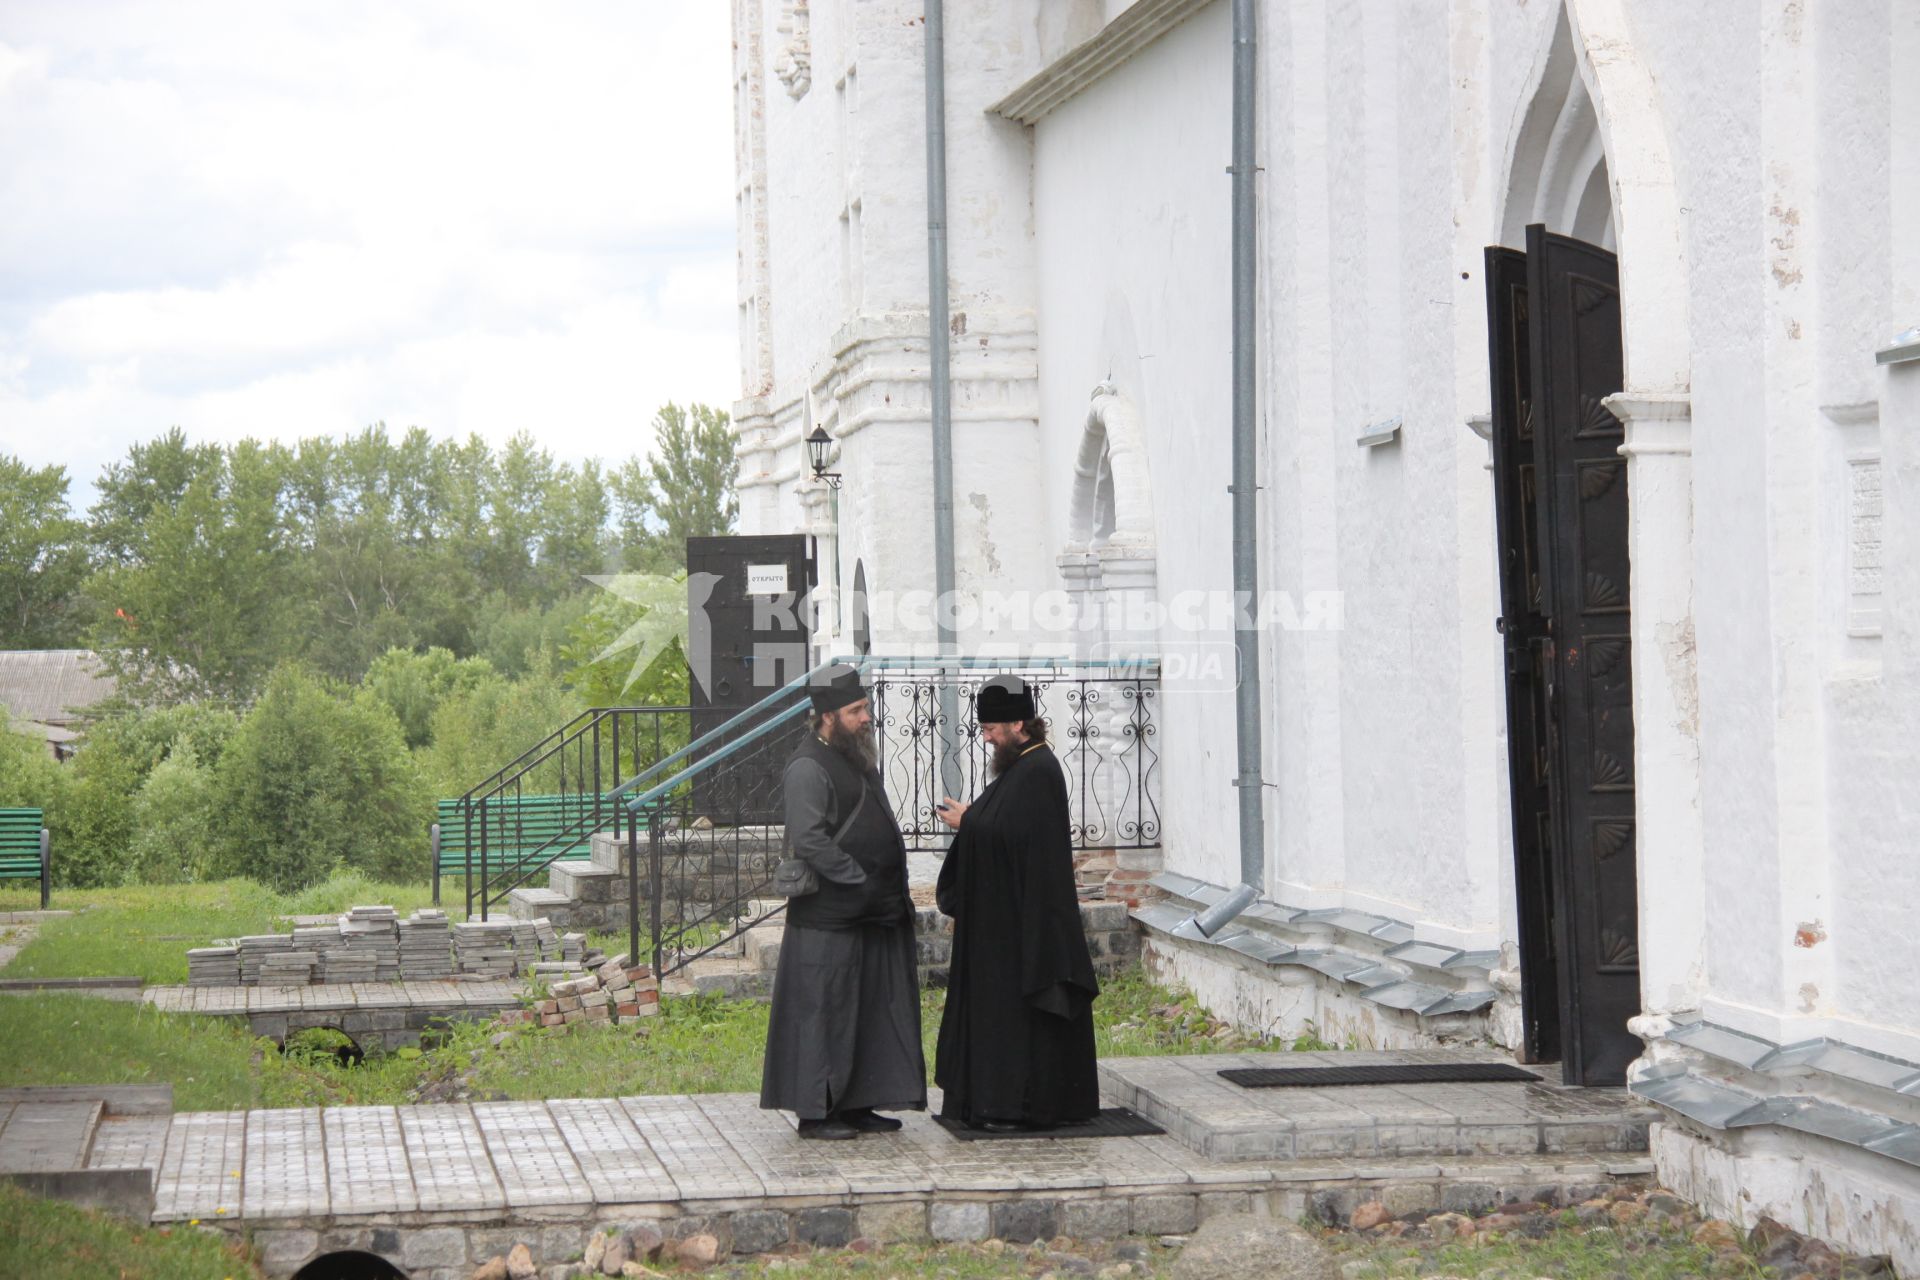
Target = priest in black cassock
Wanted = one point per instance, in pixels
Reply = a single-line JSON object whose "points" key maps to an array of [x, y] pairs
{"points": [[1016, 1040], [843, 1037]]}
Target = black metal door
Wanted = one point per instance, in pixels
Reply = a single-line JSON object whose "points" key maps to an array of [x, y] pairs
{"points": [[1523, 630], [1560, 471], [747, 601]]}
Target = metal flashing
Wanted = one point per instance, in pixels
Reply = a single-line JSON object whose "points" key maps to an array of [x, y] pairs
{"points": [[1430, 954], [1713, 1105], [1459, 1002], [1474, 960], [1415, 997], [1731, 1046]]}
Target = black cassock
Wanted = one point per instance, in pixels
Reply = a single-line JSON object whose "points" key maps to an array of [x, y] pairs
{"points": [[1016, 1040]]}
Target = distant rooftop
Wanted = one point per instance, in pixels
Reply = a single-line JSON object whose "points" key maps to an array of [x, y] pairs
{"points": [[48, 686]]}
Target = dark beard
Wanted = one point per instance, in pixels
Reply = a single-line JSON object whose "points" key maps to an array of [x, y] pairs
{"points": [[1003, 757], [855, 746]]}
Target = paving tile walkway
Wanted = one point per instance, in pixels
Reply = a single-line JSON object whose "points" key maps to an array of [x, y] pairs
{"points": [[328, 997], [572, 1156]]}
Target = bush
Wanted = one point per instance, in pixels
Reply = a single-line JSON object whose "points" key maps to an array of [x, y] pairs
{"points": [[93, 830], [313, 780], [477, 731], [414, 685], [173, 826]]}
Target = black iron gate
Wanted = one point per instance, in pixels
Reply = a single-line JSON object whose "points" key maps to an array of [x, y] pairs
{"points": [[1561, 500], [747, 606]]}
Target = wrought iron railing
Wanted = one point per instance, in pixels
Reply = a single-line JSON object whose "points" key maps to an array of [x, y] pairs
{"points": [[707, 833], [551, 799], [1101, 722]]}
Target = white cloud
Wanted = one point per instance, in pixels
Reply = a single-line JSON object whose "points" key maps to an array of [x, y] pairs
{"points": [[290, 219]]}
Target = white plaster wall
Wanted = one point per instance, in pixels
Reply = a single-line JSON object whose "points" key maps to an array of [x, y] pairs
{"points": [[1130, 213]]}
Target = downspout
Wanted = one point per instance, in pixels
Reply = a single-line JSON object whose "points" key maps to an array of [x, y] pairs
{"points": [[940, 378], [1246, 565]]}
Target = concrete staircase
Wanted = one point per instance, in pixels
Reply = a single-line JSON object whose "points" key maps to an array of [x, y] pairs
{"points": [[705, 866]]}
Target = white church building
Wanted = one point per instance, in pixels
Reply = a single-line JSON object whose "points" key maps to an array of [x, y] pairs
{"points": [[1587, 388]]}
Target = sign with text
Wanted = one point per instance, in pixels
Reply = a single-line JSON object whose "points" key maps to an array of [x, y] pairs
{"points": [[766, 579]]}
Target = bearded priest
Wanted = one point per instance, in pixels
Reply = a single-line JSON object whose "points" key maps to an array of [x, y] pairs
{"points": [[1016, 1040]]}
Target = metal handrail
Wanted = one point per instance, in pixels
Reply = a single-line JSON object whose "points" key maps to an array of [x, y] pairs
{"points": [[792, 686], [654, 794], [528, 761]]}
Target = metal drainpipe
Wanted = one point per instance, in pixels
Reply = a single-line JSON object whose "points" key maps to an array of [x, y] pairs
{"points": [[1246, 569], [939, 374]]}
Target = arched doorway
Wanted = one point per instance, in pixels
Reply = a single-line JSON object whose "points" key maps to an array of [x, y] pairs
{"points": [[1581, 342]]}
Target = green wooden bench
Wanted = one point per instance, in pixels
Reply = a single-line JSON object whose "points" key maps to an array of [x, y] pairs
{"points": [[519, 833], [24, 852]]}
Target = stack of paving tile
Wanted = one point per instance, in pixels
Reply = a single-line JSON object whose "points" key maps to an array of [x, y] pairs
{"points": [[373, 931], [343, 964], [484, 948], [255, 948], [573, 948], [425, 947], [213, 967], [288, 968], [547, 937], [526, 945]]}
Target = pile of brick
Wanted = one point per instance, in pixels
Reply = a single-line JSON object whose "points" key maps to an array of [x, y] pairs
{"points": [[614, 991]]}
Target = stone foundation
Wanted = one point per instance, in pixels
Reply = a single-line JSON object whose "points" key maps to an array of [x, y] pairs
{"points": [[442, 1247], [1860, 1201]]}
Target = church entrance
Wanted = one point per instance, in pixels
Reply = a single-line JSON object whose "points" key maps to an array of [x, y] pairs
{"points": [[1560, 491]]}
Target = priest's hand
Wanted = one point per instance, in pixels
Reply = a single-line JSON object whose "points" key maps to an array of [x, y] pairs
{"points": [[950, 811]]}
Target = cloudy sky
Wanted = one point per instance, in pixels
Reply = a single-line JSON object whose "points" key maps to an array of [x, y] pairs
{"points": [[286, 219]]}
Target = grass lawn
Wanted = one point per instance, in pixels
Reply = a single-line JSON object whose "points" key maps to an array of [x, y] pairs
{"points": [[48, 1240], [699, 1044], [144, 931]]}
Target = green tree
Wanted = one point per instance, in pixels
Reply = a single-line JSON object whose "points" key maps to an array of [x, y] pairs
{"points": [[313, 780], [413, 685], [197, 597], [480, 730], [43, 558], [684, 490]]}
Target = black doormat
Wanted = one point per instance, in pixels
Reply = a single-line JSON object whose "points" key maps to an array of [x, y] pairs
{"points": [[1407, 1073], [1112, 1122]]}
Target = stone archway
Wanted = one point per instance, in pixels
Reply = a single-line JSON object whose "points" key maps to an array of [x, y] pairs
{"points": [[1590, 157]]}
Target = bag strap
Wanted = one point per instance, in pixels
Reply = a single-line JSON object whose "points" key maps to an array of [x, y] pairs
{"points": [[854, 813]]}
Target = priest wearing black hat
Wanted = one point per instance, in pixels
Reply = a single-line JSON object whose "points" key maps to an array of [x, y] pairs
{"points": [[843, 1039], [1016, 1040]]}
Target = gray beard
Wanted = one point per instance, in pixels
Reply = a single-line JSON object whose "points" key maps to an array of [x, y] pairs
{"points": [[855, 746]]}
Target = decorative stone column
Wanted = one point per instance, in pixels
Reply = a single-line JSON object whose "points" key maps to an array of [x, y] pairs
{"points": [[817, 522], [1666, 709], [1080, 576]]}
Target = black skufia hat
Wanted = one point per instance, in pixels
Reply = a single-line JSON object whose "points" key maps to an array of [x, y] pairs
{"points": [[1003, 700], [836, 687]]}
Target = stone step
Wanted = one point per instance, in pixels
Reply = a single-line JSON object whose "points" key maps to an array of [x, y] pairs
{"points": [[529, 903], [1226, 1122], [610, 852], [48, 1137], [586, 882], [734, 977]]}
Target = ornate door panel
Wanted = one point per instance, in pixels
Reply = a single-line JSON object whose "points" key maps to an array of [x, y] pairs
{"points": [[1523, 629], [1573, 304]]}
